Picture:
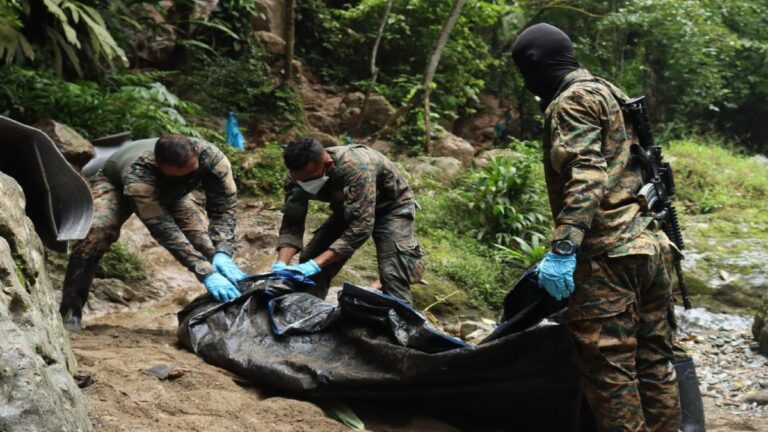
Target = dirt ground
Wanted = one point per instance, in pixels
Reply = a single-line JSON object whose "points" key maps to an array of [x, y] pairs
{"points": [[119, 344]]}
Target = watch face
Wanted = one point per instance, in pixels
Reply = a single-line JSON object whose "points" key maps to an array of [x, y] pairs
{"points": [[564, 247]]}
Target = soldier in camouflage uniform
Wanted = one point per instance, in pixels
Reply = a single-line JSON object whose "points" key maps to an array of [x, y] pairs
{"points": [[154, 178], [368, 196], [607, 256]]}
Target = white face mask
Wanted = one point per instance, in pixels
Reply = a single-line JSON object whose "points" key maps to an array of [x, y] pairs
{"points": [[313, 186]]}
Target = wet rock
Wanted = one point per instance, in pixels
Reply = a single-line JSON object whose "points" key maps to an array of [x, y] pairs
{"points": [[271, 42], [448, 144], [166, 372], [36, 362], [76, 149], [116, 291]]}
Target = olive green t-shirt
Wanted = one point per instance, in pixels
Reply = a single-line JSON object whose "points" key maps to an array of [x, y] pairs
{"points": [[122, 159]]}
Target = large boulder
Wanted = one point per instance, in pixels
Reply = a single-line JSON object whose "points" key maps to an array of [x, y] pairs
{"points": [[448, 144], [76, 149], [484, 158], [378, 112], [271, 42], [443, 169], [271, 18], [37, 391]]}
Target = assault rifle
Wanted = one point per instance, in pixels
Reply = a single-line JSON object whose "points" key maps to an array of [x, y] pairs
{"points": [[655, 195]]}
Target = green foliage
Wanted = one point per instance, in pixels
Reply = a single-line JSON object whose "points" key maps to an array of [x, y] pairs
{"points": [[508, 197], [527, 255], [343, 37], [711, 178], [67, 32], [136, 102], [120, 263], [258, 173]]}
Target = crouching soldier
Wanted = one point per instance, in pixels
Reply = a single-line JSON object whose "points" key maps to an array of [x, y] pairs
{"points": [[154, 178], [368, 196]]}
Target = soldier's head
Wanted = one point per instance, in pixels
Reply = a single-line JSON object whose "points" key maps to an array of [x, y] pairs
{"points": [[176, 155], [544, 54], [308, 163]]}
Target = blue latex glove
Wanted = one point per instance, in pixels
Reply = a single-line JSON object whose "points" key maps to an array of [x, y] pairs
{"points": [[278, 265], [556, 274], [224, 265], [308, 268], [220, 288]]}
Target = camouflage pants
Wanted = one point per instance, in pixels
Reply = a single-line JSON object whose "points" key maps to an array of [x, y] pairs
{"points": [[111, 210], [620, 318], [397, 252]]}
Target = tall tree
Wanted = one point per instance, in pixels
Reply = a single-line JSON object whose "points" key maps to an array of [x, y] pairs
{"points": [[374, 69], [434, 61]]}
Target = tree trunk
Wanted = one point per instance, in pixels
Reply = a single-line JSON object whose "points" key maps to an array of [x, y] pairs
{"points": [[289, 41], [434, 61], [374, 69]]}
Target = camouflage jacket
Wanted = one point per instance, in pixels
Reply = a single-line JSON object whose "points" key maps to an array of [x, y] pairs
{"points": [[149, 190], [363, 183], [591, 178]]}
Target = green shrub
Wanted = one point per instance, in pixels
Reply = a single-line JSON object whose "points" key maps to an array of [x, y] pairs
{"points": [[120, 263], [508, 197], [136, 102], [260, 172]]}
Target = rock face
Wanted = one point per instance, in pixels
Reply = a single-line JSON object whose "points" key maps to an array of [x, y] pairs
{"points": [[37, 391], [377, 113], [272, 43], [448, 144], [76, 149], [272, 17]]}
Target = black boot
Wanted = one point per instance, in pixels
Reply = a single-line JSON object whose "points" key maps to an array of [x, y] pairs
{"points": [[691, 405], [77, 284]]}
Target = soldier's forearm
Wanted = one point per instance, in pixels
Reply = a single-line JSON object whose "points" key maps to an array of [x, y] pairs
{"points": [[286, 254], [327, 258]]}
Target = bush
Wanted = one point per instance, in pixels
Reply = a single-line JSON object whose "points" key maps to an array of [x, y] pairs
{"points": [[258, 173], [508, 197], [120, 263], [135, 102]]}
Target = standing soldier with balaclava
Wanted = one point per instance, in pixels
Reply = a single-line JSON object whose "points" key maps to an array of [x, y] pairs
{"points": [[154, 178], [608, 257]]}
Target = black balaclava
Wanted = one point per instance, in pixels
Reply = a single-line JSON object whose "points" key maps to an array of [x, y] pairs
{"points": [[544, 55]]}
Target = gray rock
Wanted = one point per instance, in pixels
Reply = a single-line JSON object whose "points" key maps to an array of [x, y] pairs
{"points": [[36, 362], [443, 169], [76, 149], [760, 398], [378, 112], [448, 144]]}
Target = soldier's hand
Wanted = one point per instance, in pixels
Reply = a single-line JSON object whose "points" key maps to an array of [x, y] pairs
{"points": [[223, 264], [220, 288], [556, 274], [308, 268]]}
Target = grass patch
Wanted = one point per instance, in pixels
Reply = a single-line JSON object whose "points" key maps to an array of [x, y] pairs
{"points": [[260, 172], [121, 263]]}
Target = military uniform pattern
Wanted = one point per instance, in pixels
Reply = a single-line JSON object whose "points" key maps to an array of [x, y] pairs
{"points": [[112, 209], [591, 178], [368, 197], [153, 197], [620, 315]]}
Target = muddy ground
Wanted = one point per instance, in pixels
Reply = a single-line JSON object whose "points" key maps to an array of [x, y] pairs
{"points": [[121, 341]]}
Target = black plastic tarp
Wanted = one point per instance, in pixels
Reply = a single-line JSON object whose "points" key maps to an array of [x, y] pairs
{"points": [[373, 347], [58, 199]]}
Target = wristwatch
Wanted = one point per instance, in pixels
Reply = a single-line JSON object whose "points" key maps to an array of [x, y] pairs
{"points": [[564, 247]]}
